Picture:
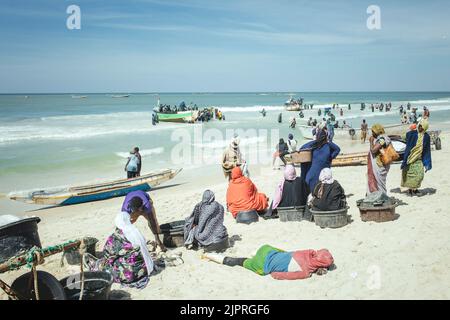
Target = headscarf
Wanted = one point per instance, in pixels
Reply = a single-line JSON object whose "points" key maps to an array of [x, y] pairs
{"points": [[321, 139], [205, 224], [378, 129], [236, 173], [326, 176], [321, 259], [136, 238], [424, 123], [289, 175]]}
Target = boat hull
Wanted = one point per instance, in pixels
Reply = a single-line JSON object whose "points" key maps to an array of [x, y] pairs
{"points": [[180, 117], [96, 192]]}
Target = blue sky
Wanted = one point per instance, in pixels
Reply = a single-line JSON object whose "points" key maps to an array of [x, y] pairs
{"points": [[228, 45]]}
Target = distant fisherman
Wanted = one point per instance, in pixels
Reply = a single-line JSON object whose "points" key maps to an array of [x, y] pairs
{"points": [[134, 164]]}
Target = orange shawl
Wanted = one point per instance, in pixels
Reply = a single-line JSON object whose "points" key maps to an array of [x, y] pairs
{"points": [[242, 194]]}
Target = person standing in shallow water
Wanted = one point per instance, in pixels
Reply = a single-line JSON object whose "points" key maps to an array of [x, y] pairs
{"points": [[134, 164], [364, 129]]}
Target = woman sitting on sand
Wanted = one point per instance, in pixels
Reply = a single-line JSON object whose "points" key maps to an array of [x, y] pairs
{"points": [[328, 194], [242, 194], [291, 192], [279, 264], [417, 157], [376, 171], [205, 227], [323, 152], [125, 254]]}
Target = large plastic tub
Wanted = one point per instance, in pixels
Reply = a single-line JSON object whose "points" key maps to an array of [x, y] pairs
{"points": [[247, 217], [97, 286], [18, 237], [48, 286], [287, 214], [331, 219]]}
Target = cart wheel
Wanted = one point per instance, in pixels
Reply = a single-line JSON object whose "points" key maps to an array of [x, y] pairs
{"points": [[438, 144]]}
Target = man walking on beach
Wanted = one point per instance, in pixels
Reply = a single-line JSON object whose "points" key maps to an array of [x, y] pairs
{"points": [[364, 129]]}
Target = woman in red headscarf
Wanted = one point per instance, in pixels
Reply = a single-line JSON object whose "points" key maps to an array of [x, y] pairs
{"points": [[242, 194]]}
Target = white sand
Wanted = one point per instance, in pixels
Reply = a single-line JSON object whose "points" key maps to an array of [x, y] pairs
{"points": [[409, 257]]}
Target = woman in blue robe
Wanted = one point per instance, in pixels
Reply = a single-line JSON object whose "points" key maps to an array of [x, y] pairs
{"points": [[323, 152]]}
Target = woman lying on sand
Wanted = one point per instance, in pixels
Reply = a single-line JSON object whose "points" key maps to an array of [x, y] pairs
{"points": [[125, 254], [204, 227], [328, 194], [279, 264], [242, 194]]}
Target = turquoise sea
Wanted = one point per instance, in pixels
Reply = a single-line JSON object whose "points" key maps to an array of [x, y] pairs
{"points": [[51, 140]]}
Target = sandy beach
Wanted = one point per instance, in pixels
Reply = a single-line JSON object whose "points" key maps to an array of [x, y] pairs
{"points": [[404, 259]]}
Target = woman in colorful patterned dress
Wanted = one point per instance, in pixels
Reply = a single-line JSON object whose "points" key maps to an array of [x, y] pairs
{"points": [[125, 254]]}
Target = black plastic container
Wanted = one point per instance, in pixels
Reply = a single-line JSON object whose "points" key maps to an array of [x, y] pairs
{"points": [[97, 286], [288, 214], [247, 217], [73, 257], [173, 234], [18, 237], [48, 286]]}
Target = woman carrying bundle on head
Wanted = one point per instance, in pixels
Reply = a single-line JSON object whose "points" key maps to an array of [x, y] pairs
{"points": [[323, 153], [417, 157], [377, 170], [204, 227]]}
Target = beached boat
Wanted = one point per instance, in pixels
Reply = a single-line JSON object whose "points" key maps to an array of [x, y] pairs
{"points": [[350, 159], [293, 105], [182, 116], [95, 192], [352, 133]]}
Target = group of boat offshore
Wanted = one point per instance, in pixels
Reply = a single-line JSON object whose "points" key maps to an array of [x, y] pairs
{"points": [[307, 191]]}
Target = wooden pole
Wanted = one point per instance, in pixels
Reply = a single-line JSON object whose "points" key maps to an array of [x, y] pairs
{"points": [[19, 261]]}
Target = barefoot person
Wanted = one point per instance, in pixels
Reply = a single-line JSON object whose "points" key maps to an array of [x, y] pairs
{"points": [[125, 254], [138, 203], [417, 157], [281, 265], [364, 129], [377, 171], [134, 164]]}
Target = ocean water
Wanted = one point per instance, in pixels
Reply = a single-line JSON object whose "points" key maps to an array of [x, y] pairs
{"points": [[50, 140]]}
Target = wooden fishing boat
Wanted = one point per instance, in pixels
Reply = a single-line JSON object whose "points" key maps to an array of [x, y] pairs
{"points": [[95, 192], [350, 159], [182, 116]]}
